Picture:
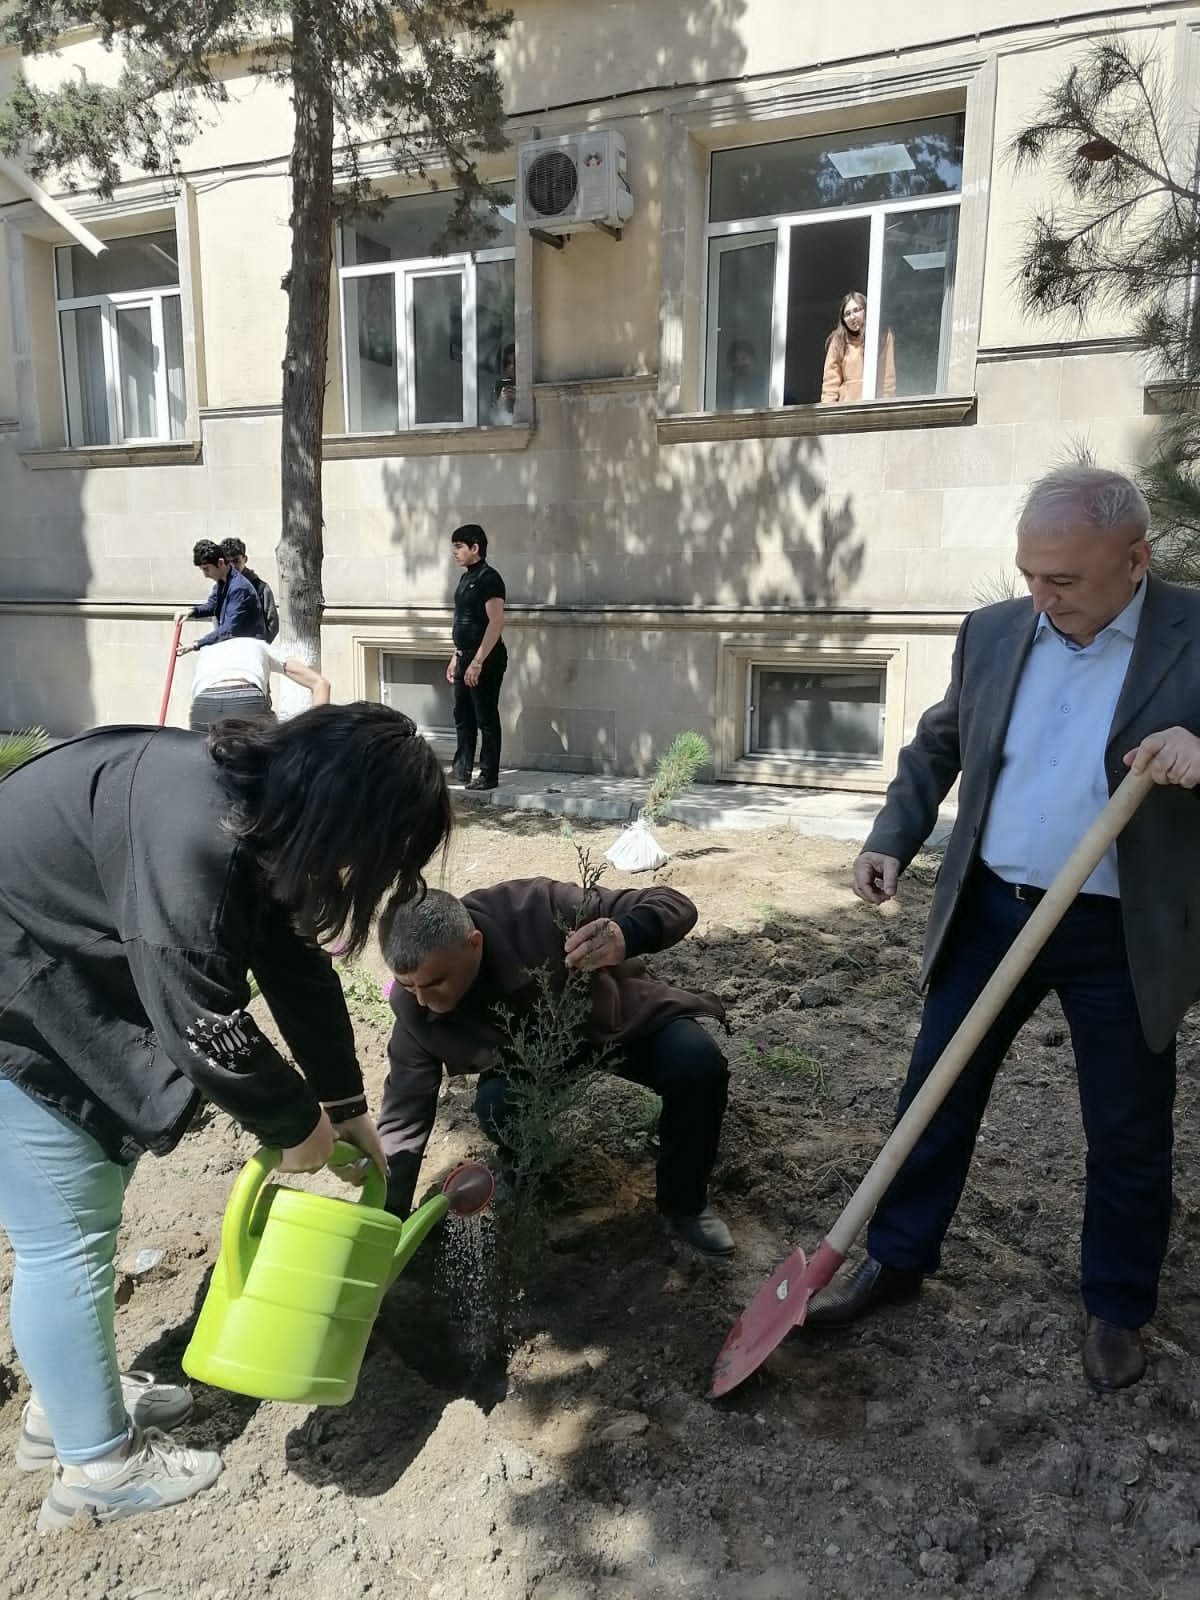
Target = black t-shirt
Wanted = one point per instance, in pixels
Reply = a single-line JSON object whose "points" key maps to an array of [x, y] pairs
{"points": [[476, 587]]}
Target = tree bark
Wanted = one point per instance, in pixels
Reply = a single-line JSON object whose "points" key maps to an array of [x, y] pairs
{"points": [[300, 551]]}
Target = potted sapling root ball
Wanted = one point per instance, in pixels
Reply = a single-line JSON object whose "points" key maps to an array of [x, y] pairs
{"points": [[636, 849]]}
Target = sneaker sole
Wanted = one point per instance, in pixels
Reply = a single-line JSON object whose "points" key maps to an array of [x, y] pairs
{"points": [[34, 1454], [56, 1514]]}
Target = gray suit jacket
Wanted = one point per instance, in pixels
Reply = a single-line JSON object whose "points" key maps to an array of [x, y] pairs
{"points": [[1158, 855]]}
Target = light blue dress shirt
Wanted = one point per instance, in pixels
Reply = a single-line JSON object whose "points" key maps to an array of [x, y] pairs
{"points": [[1052, 784]]}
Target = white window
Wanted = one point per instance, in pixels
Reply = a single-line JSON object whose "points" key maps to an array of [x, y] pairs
{"points": [[427, 340], [795, 226], [121, 338], [417, 686], [833, 714]]}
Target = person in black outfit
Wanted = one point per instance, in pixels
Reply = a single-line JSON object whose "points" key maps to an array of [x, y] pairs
{"points": [[476, 669], [234, 551]]}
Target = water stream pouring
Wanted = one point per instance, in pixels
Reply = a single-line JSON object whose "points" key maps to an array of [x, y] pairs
{"points": [[300, 1279]]}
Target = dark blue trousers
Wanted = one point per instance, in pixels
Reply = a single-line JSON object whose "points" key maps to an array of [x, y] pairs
{"points": [[684, 1065], [1126, 1093]]}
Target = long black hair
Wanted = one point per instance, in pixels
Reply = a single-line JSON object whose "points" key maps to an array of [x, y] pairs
{"points": [[341, 805]]}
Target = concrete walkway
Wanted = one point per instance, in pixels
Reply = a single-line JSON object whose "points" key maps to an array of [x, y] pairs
{"points": [[830, 813]]}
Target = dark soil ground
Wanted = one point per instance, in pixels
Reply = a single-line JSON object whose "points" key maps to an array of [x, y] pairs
{"points": [[949, 1447]]}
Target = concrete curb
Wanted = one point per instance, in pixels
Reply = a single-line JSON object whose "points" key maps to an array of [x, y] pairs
{"points": [[826, 813]]}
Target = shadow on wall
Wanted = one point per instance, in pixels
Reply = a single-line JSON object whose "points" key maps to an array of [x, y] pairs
{"points": [[596, 515], [548, 65], [45, 657]]}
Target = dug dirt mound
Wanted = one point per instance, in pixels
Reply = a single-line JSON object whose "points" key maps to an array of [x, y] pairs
{"points": [[945, 1448]]}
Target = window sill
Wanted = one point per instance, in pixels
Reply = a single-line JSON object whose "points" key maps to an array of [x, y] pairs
{"points": [[797, 773], [1169, 399], [930, 411], [170, 453], [427, 442]]}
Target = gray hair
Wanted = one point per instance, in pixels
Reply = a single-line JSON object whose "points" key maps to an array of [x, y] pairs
{"points": [[1069, 495], [410, 931]]}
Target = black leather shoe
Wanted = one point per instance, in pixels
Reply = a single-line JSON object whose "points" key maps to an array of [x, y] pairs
{"points": [[1113, 1357], [704, 1232], [853, 1293], [482, 783]]}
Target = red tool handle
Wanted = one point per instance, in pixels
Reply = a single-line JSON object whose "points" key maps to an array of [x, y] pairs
{"points": [[166, 699]]}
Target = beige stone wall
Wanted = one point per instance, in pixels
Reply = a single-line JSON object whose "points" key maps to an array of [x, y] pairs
{"points": [[644, 569]]}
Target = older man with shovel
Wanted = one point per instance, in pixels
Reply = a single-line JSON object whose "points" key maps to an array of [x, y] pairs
{"points": [[1048, 706]]}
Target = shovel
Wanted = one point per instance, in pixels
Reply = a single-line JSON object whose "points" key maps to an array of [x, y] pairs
{"points": [[166, 699], [782, 1302]]}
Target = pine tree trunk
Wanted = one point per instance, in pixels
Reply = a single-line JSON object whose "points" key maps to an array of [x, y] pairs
{"points": [[300, 551]]}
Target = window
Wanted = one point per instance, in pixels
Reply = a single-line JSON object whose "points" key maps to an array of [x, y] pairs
{"points": [[833, 715], [417, 686], [121, 337], [427, 339], [796, 225]]}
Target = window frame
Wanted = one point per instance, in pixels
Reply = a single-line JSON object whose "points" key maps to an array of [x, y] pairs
{"points": [[109, 306], [811, 758], [782, 224], [408, 652], [403, 272], [812, 645]]}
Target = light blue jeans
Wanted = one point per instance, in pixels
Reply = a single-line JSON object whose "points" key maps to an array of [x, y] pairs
{"points": [[60, 1205]]}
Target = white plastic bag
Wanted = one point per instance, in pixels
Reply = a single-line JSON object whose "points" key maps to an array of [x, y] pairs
{"points": [[636, 849]]}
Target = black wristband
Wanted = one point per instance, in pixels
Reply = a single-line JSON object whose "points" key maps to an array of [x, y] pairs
{"points": [[347, 1111]]}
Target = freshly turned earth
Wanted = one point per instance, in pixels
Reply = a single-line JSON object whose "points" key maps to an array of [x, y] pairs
{"points": [[945, 1448]]}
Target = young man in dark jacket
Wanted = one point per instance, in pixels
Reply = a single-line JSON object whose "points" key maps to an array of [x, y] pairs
{"points": [[234, 551], [462, 965], [233, 603]]}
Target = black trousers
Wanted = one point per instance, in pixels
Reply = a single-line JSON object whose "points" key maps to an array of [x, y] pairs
{"points": [[477, 715], [230, 702], [1126, 1093], [683, 1064]]}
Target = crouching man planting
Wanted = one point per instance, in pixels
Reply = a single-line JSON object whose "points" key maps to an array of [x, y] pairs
{"points": [[467, 974]]}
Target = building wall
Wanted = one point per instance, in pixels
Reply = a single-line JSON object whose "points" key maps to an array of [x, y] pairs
{"points": [[650, 552]]}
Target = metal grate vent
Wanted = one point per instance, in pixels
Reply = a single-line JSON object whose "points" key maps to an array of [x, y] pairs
{"points": [[551, 184]]}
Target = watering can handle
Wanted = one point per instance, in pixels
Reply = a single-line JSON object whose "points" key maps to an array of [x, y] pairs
{"points": [[374, 1188], [1047, 914], [238, 1237]]}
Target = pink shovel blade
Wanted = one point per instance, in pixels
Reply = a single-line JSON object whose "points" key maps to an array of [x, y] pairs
{"points": [[778, 1307]]}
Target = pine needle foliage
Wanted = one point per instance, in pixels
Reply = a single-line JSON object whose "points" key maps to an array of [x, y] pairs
{"points": [[676, 771], [1123, 237], [549, 1060], [17, 748]]}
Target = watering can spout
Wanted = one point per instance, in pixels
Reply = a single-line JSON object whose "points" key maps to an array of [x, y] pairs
{"points": [[467, 1190]]}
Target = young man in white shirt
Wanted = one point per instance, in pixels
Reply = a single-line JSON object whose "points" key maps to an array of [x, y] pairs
{"points": [[233, 679]]}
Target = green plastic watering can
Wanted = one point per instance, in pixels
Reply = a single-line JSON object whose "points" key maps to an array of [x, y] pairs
{"points": [[300, 1279]]}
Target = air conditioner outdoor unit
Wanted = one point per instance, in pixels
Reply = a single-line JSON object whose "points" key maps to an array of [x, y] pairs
{"points": [[575, 181]]}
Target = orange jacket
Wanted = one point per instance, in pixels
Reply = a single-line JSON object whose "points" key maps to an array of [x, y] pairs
{"points": [[842, 379]]}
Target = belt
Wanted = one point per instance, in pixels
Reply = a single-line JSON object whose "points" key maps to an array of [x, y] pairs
{"points": [[1029, 894]]}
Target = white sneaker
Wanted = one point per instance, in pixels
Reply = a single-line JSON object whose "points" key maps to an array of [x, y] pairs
{"points": [[156, 1473], [149, 1404]]}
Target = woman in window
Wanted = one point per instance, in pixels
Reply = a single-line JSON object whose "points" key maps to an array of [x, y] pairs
{"points": [[842, 379], [146, 871]]}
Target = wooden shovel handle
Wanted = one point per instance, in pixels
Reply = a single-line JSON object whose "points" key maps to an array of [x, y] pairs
{"points": [[1046, 916], [166, 699]]}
